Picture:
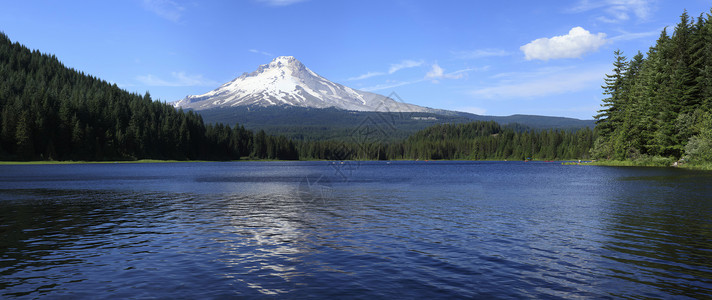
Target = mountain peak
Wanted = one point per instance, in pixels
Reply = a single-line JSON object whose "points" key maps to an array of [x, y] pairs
{"points": [[285, 81], [283, 65], [284, 59]]}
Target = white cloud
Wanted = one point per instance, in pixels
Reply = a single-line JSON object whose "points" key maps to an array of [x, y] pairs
{"points": [[436, 72], [480, 53], [576, 43], [178, 79], [280, 2], [405, 65], [617, 10], [166, 9], [530, 86], [261, 52]]}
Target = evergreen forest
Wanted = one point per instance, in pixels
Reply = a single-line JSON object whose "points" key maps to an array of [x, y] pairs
{"points": [[659, 105]]}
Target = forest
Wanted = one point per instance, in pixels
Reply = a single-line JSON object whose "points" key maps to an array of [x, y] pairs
{"points": [[659, 105], [480, 140]]}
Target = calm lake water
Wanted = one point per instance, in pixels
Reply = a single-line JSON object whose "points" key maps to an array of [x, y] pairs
{"points": [[358, 229]]}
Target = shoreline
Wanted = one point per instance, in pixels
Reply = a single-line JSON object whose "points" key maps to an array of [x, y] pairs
{"points": [[148, 161], [565, 162], [644, 164], [76, 162]]}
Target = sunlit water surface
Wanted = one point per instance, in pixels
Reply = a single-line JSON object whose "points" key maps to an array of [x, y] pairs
{"points": [[357, 229]]}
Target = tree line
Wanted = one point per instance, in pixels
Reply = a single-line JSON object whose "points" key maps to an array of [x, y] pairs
{"points": [[479, 140], [660, 104]]}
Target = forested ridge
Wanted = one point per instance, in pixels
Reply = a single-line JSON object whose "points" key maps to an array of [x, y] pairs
{"points": [[51, 112], [303, 123], [659, 105]]}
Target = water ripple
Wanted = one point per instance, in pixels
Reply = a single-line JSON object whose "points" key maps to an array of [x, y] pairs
{"points": [[404, 230]]}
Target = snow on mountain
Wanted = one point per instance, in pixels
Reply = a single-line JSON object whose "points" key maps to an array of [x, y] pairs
{"points": [[286, 81]]}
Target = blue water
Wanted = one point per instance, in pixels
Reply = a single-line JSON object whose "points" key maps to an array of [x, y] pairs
{"points": [[357, 229]]}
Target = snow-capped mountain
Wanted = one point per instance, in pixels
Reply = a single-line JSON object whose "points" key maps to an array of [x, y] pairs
{"points": [[287, 82]]}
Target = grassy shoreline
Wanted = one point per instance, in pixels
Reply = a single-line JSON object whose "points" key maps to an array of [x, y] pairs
{"points": [[607, 163], [142, 161], [73, 162], [644, 163]]}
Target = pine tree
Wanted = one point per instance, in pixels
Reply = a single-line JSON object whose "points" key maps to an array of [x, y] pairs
{"points": [[23, 137], [611, 115], [704, 62]]}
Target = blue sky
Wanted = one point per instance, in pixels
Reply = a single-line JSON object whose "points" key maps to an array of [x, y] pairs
{"points": [[485, 57]]}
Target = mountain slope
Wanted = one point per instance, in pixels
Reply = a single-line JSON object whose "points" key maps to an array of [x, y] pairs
{"points": [[51, 112], [287, 82]]}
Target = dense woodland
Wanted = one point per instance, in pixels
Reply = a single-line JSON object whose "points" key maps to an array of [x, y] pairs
{"points": [[660, 104], [481, 140]]}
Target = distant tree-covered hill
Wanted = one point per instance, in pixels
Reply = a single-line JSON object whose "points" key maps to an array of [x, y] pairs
{"points": [[488, 140], [478, 140], [330, 123]]}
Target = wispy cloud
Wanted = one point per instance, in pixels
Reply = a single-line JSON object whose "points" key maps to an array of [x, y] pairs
{"points": [[405, 65], [177, 79], [616, 11], [627, 36], [437, 72], [480, 53], [280, 2], [576, 43], [527, 86], [261, 52], [533, 74], [166, 9], [473, 110], [367, 75], [390, 85]]}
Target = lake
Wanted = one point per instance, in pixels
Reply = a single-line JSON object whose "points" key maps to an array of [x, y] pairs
{"points": [[354, 229]]}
